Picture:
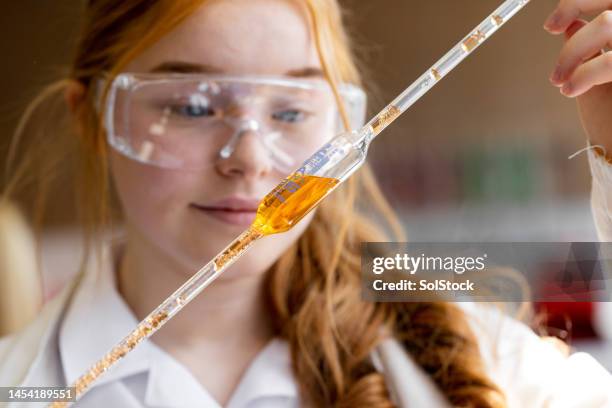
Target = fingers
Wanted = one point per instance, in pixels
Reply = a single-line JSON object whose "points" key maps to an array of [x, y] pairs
{"points": [[597, 71], [569, 10], [586, 42], [574, 27]]}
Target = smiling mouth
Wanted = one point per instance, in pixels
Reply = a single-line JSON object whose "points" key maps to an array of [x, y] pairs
{"points": [[234, 216]]}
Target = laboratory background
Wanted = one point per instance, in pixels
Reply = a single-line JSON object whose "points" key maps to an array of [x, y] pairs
{"points": [[482, 157]]}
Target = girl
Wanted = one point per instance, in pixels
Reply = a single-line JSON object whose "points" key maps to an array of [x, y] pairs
{"points": [[194, 110]]}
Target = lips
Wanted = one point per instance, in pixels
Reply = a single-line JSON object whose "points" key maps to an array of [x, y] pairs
{"points": [[232, 210]]}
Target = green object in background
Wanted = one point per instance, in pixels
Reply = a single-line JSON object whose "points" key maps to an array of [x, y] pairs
{"points": [[500, 174], [472, 165]]}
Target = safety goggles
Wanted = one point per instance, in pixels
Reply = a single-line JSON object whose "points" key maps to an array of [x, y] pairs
{"points": [[190, 121]]}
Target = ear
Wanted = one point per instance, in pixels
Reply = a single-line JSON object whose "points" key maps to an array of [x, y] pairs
{"points": [[74, 95]]}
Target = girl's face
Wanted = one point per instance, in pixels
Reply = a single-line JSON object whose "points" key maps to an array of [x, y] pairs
{"points": [[164, 207]]}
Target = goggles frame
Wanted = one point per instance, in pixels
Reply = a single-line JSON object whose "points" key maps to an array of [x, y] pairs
{"points": [[353, 97]]}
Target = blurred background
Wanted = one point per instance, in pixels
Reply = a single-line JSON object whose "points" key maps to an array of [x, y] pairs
{"points": [[482, 157]]}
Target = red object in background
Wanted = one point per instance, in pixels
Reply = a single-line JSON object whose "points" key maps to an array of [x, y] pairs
{"points": [[576, 318], [568, 288]]}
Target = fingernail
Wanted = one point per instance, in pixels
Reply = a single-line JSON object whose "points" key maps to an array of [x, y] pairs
{"points": [[555, 77], [566, 89], [553, 20]]}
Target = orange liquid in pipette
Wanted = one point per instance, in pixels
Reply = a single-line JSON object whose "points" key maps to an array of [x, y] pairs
{"points": [[282, 208]]}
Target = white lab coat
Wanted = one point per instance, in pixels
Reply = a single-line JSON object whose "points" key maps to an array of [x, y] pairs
{"points": [[532, 372]]}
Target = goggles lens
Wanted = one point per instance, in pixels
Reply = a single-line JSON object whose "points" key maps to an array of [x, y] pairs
{"points": [[190, 121]]}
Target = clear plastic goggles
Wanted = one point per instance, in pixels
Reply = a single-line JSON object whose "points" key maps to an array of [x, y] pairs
{"points": [[189, 121]]}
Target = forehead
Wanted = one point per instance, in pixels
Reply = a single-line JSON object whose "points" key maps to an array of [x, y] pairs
{"points": [[269, 37]]}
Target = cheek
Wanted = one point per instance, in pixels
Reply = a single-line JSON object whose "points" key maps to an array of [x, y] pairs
{"points": [[148, 194]]}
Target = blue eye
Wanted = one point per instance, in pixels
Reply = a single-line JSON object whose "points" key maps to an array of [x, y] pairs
{"points": [[193, 111], [290, 115]]}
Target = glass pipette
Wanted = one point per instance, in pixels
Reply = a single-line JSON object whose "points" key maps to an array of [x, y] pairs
{"points": [[300, 192]]}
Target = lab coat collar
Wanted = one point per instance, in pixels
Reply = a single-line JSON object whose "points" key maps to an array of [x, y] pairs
{"points": [[268, 375], [98, 317]]}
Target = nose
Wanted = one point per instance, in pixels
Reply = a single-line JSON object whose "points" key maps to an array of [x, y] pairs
{"points": [[245, 154]]}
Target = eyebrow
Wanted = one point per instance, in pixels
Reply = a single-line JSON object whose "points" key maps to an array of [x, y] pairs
{"points": [[181, 67]]}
